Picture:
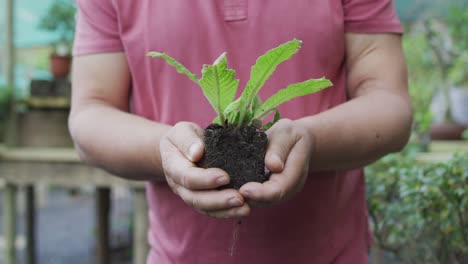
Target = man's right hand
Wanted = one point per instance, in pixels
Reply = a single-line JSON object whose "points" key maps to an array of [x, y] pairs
{"points": [[181, 147]]}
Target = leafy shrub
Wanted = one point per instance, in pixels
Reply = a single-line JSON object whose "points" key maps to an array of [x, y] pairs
{"points": [[423, 80], [61, 19], [420, 212]]}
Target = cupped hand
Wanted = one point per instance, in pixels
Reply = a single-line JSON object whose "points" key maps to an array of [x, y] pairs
{"points": [[181, 147], [287, 158]]}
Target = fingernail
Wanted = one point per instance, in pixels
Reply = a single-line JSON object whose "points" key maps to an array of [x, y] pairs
{"points": [[245, 193], [234, 202], [193, 151], [222, 180]]}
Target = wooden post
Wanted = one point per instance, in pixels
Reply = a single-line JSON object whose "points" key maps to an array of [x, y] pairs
{"points": [[9, 42], [9, 223], [140, 220], [30, 225], [102, 213], [10, 138]]}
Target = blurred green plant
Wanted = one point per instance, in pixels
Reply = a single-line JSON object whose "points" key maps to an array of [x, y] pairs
{"points": [[448, 39], [420, 212], [422, 81], [465, 134], [457, 23], [60, 18], [458, 73]]}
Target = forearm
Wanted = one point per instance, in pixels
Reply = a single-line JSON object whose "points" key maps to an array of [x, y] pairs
{"points": [[359, 131], [121, 143]]}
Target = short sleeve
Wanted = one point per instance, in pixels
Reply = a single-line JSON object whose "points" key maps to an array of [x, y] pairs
{"points": [[371, 16], [97, 28]]}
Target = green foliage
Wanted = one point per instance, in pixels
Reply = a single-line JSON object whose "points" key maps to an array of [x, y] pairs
{"points": [[290, 92], [275, 119], [420, 60], [457, 23], [458, 72], [263, 69], [179, 67], [420, 212], [219, 87], [60, 18], [423, 79]]}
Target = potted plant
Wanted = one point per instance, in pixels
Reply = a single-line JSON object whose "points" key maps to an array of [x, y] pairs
{"points": [[236, 141], [61, 19], [448, 42], [459, 92], [458, 73]]}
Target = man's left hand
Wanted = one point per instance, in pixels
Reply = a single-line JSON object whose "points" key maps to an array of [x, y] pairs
{"points": [[287, 158]]}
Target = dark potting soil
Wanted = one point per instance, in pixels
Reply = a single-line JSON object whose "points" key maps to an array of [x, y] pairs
{"points": [[238, 151]]}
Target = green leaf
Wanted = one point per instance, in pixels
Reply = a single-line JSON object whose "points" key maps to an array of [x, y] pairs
{"points": [[232, 107], [249, 117], [289, 93], [171, 61], [217, 120], [257, 102], [233, 118], [263, 69], [275, 119], [219, 85]]}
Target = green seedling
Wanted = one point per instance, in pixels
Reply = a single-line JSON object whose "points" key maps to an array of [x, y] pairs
{"points": [[219, 86]]}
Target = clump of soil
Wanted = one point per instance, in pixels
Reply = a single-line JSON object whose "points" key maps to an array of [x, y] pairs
{"points": [[238, 151]]}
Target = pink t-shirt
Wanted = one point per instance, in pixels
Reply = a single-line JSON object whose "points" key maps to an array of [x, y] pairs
{"points": [[327, 222]]}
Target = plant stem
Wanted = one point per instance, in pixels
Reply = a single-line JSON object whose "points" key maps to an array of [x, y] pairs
{"points": [[242, 115], [264, 114], [218, 106], [461, 219]]}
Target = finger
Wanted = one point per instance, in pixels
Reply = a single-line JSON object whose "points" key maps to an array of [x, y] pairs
{"points": [[281, 140], [217, 210], [268, 192], [281, 186], [186, 174], [187, 137], [236, 212], [211, 200]]}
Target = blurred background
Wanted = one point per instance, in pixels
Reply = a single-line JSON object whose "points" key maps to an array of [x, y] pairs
{"points": [[55, 210]]}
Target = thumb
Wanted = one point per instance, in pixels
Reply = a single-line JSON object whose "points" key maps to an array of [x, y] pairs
{"points": [[279, 146], [195, 151], [187, 137]]}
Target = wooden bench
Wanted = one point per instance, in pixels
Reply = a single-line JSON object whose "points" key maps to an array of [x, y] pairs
{"points": [[25, 167], [442, 151]]}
